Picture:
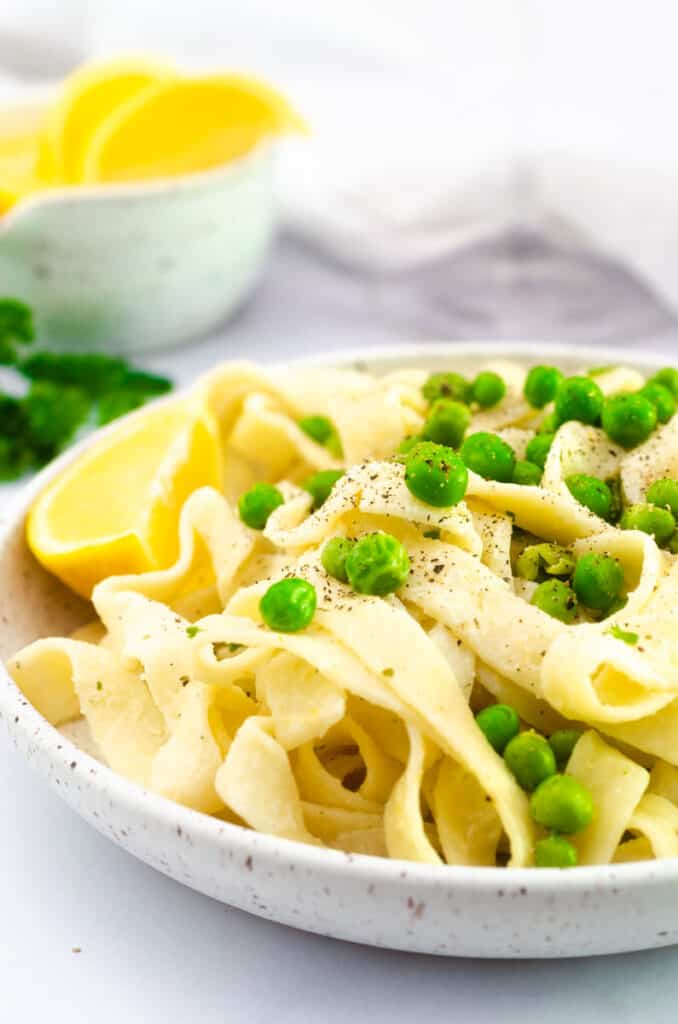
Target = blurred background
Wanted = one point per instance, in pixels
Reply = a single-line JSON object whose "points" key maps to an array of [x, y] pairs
{"points": [[478, 168]]}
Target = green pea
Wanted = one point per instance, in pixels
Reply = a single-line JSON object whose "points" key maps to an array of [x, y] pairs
{"points": [[662, 399], [318, 428], [538, 448], [335, 447], [537, 561], [320, 485], [530, 759], [407, 444], [489, 456], [499, 723], [658, 522], [549, 424], [673, 544], [668, 378], [334, 556], [628, 419], [591, 492], [563, 804], [562, 743], [578, 398], [435, 474], [664, 494], [541, 385], [323, 431], [447, 422], [527, 473], [445, 385], [377, 564], [556, 599], [555, 852], [488, 389], [256, 505], [288, 605], [528, 564]]}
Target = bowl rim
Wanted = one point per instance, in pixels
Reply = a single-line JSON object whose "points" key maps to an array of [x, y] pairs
{"points": [[28, 725], [65, 195]]}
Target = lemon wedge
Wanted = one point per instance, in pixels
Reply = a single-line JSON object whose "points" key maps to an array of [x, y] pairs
{"points": [[116, 509], [85, 100], [18, 159], [181, 126], [17, 176]]}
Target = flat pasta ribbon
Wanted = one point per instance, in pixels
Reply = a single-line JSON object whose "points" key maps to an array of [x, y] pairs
{"points": [[359, 731]]}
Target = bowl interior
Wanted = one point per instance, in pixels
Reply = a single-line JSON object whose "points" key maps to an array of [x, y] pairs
{"points": [[467, 911], [33, 603]]}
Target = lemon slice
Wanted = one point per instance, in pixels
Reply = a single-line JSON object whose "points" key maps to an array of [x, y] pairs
{"points": [[18, 158], [116, 509], [178, 127], [86, 99]]}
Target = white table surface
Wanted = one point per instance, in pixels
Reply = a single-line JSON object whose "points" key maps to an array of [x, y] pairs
{"points": [[88, 934]]}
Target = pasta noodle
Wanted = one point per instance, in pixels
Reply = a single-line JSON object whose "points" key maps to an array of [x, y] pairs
{"points": [[361, 731]]}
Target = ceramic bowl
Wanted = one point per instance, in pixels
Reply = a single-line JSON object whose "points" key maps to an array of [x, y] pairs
{"points": [[460, 911], [132, 267]]}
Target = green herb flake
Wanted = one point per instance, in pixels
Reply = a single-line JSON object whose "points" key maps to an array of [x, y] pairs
{"points": [[234, 647], [100, 685], [624, 634], [388, 672], [192, 631]]}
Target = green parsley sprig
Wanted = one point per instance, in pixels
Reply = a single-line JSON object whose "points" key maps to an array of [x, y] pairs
{"points": [[66, 390]]}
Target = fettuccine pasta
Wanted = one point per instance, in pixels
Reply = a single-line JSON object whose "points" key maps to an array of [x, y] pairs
{"points": [[424, 618]]}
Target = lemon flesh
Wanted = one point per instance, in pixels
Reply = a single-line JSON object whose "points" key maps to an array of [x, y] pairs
{"points": [[18, 159], [116, 509], [86, 99], [183, 126]]}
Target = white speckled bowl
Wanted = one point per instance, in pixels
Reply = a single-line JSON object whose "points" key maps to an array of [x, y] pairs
{"points": [[487, 912], [137, 266]]}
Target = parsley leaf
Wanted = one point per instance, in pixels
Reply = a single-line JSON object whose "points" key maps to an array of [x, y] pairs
{"points": [[623, 634]]}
